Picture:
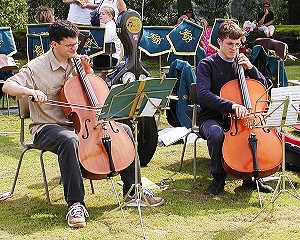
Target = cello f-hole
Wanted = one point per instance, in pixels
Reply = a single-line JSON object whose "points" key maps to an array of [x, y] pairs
{"points": [[112, 128], [86, 129], [235, 126]]}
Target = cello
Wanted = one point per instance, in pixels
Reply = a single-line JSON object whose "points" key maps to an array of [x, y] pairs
{"points": [[104, 147], [249, 149]]}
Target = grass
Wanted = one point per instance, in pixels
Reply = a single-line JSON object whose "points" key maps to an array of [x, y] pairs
{"points": [[187, 214]]}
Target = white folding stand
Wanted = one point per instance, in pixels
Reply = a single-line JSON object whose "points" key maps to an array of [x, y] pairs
{"points": [[283, 111]]}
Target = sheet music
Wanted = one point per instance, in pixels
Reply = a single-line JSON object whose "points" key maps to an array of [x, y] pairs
{"points": [[150, 107], [276, 109]]}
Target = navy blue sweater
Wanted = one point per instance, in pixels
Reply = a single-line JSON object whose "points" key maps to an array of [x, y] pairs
{"points": [[212, 73]]}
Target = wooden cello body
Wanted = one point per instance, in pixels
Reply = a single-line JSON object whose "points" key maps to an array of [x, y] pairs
{"points": [[96, 159], [249, 149]]}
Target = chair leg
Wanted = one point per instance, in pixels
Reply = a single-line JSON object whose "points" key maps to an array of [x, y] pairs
{"points": [[18, 170], [44, 177], [183, 150], [195, 158], [7, 104], [92, 186]]}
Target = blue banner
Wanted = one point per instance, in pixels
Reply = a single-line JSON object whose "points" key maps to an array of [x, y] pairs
{"points": [[154, 41], [38, 41], [185, 38], [214, 33], [7, 43]]}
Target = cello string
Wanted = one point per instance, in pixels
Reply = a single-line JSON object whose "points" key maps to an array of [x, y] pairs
{"points": [[243, 85], [86, 83]]}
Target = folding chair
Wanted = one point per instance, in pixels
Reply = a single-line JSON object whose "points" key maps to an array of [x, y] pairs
{"points": [[105, 61], [5, 97], [7, 64], [24, 114], [194, 129]]}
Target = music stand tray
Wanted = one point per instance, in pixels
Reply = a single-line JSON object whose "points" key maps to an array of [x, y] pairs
{"points": [[133, 100]]}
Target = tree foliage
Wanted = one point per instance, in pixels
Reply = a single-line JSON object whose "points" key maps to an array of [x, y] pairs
{"points": [[293, 11], [155, 12], [211, 9], [13, 13], [183, 5]]}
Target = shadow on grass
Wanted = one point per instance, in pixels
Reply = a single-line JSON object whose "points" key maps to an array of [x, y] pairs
{"points": [[185, 197], [29, 215], [8, 143]]}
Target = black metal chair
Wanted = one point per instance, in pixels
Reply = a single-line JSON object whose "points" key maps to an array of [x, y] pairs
{"points": [[24, 113], [105, 61], [194, 129]]}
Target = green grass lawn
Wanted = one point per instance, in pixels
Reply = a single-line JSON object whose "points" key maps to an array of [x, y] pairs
{"points": [[187, 213]]}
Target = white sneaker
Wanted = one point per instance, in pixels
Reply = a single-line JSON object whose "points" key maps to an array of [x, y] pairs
{"points": [[76, 215]]}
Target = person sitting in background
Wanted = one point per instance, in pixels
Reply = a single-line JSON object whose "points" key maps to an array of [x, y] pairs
{"points": [[181, 18], [106, 16], [79, 13], [204, 42], [44, 14], [190, 14], [265, 20]]}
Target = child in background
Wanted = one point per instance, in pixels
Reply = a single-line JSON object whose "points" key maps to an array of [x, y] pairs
{"points": [[204, 42]]}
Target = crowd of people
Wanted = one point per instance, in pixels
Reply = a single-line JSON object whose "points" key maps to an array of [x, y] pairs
{"points": [[52, 131]]}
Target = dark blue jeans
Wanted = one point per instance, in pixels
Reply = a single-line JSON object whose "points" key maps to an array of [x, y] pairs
{"points": [[64, 143], [213, 131]]}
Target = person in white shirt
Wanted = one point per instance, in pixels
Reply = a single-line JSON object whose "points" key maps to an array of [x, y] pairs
{"points": [[107, 19], [79, 12], [117, 5]]}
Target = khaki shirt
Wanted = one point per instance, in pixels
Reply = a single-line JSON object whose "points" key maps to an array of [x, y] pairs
{"points": [[47, 75]]}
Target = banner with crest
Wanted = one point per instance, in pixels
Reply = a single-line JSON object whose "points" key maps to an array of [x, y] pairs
{"points": [[7, 43], [185, 38], [214, 33], [154, 41], [38, 41]]}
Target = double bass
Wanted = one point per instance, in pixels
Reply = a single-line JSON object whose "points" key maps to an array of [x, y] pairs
{"points": [[130, 31], [104, 147], [249, 148]]}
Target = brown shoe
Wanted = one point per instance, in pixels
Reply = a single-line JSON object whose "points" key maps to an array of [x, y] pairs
{"points": [[147, 199], [76, 215], [151, 200], [155, 201]]}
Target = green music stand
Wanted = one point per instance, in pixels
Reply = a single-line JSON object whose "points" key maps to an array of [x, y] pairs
{"points": [[133, 100]]}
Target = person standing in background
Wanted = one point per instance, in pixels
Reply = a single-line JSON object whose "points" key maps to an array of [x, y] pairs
{"points": [[107, 16], [117, 5], [79, 12]]}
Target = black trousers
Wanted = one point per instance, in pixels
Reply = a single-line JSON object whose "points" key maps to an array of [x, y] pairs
{"points": [[64, 143]]}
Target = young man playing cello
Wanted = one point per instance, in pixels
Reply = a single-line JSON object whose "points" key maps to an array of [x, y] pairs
{"points": [[213, 73], [42, 79]]}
